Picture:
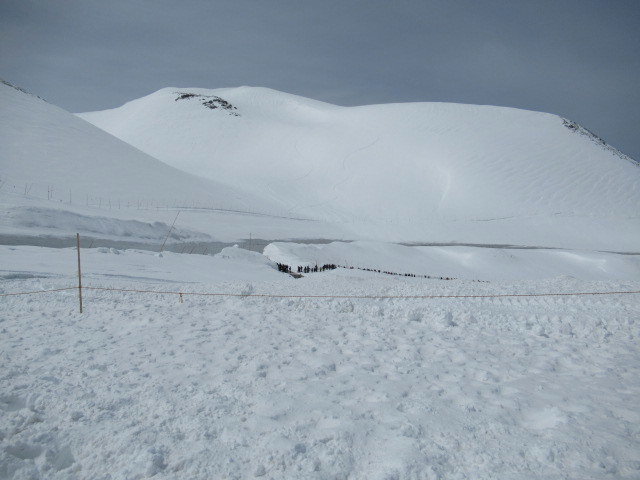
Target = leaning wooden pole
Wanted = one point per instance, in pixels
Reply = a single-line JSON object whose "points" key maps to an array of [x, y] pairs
{"points": [[167, 237], [79, 273]]}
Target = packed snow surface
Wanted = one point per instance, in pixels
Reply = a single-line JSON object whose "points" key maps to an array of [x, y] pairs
{"points": [[142, 385]]}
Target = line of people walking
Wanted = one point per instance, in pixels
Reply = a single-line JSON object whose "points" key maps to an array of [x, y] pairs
{"points": [[283, 267], [386, 272]]}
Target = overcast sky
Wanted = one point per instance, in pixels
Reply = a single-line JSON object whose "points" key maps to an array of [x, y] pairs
{"points": [[575, 58]]}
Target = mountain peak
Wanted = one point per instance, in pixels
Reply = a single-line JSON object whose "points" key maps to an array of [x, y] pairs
{"points": [[212, 102]]}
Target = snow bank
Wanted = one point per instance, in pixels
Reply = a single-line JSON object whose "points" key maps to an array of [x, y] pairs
{"points": [[136, 265], [246, 256], [52, 221]]}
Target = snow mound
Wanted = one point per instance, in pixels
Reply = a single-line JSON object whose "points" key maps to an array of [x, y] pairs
{"points": [[240, 254]]}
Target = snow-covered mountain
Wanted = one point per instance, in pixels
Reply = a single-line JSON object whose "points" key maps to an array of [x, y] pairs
{"points": [[418, 173], [422, 166], [60, 175], [47, 151]]}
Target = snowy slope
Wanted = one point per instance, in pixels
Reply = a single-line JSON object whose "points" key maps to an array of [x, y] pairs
{"points": [[143, 386], [46, 152], [414, 169]]}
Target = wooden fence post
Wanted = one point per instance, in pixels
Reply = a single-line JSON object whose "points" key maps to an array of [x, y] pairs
{"points": [[79, 273]]}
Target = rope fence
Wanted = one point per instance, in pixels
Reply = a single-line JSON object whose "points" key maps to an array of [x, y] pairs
{"points": [[271, 295], [37, 291], [181, 294]]}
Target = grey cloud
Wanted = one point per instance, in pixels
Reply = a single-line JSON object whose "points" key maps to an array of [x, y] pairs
{"points": [[576, 58]]}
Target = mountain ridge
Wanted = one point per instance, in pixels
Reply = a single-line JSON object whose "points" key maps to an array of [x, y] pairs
{"points": [[42, 145], [288, 145], [425, 173]]}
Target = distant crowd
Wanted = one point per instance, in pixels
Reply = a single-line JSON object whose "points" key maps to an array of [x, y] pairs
{"points": [[306, 269], [283, 267], [332, 266], [398, 274]]}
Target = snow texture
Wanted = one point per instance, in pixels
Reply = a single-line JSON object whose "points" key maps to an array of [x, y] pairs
{"points": [[141, 385]]}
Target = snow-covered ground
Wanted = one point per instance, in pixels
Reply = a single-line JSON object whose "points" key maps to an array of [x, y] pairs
{"points": [[317, 380], [141, 385]]}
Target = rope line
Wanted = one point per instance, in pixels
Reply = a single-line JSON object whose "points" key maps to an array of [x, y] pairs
{"points": [[269, 295], [37, 291]]}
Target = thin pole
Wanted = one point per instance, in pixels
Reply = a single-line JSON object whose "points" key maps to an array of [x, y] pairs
{"points": [[79, 273], [167, 237]]}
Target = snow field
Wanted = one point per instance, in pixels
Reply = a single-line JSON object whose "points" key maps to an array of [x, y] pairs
{"points": [[141, 385]]}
